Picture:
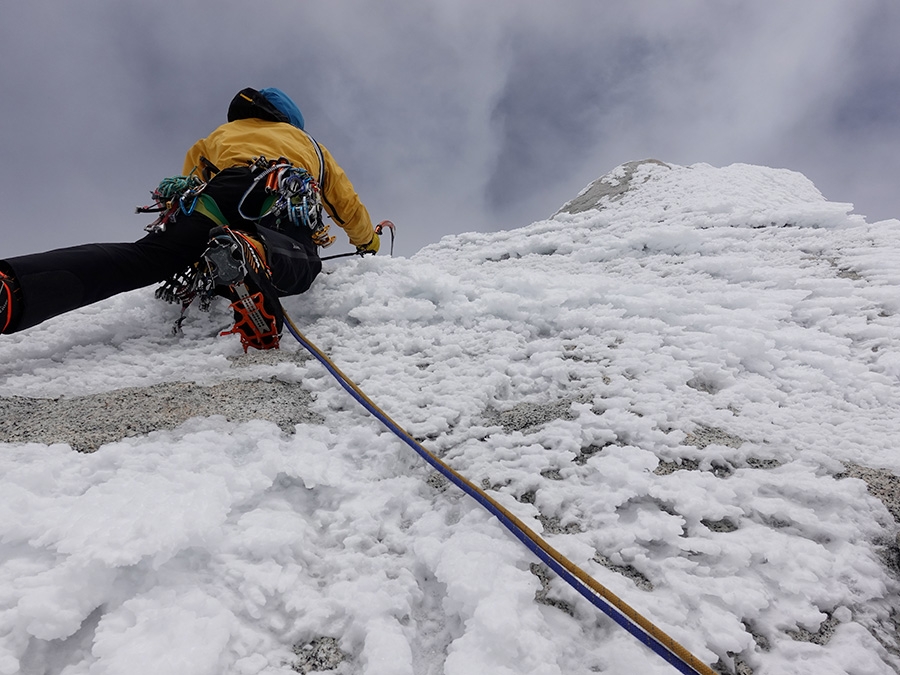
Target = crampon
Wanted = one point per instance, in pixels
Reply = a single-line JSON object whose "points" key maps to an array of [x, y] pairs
{"points": [[238, 270], [256, 327]]}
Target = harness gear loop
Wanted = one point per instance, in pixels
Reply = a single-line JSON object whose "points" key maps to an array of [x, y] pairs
{"points": [[173, 194], [293, 197]]}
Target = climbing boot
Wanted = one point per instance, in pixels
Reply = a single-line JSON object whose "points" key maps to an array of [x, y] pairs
{"points": [[236, 262]]}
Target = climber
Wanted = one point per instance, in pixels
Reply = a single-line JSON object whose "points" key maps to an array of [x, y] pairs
{"points": [[243, 221]]}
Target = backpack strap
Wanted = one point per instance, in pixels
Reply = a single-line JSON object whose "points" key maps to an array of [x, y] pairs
{"points": [[331, 210], [321, 159]]}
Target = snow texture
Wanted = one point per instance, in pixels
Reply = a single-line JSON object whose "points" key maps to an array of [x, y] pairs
{"points": [[687, 380]]}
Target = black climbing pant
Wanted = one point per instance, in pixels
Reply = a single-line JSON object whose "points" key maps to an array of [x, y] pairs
{"points": [[58, 281]]}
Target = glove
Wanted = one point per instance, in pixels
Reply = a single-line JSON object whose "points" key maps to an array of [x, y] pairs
{"points": [[372, 247]]}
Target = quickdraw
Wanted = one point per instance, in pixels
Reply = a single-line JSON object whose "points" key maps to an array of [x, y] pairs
{"points": [[173, 195], [295, 198]]}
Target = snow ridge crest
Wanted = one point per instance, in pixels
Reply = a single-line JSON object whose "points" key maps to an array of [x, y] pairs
{"points": [[739, 195]]}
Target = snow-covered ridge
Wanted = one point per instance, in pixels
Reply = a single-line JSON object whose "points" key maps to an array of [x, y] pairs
{"points": [[685, 379], [739, 195]]}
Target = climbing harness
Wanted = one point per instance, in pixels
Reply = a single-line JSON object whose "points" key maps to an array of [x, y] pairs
{"points": [[598, 595]]}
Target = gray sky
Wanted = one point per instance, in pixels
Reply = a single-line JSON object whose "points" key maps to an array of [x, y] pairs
{"points": [[450, 115]]}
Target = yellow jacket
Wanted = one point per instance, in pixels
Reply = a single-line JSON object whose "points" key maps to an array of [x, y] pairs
{"points": [[240, 142]]}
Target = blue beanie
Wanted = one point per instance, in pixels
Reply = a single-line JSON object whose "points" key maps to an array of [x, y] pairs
{"points": [[284, 104]]}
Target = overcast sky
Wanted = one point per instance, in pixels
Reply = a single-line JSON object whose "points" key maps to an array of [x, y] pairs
{"points": [[448, 115]]}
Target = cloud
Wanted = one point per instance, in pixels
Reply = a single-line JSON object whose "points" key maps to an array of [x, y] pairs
{"points": [[447, 116]]}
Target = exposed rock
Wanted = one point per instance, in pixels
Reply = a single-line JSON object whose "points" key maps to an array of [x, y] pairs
{"points": [[612, 186], [87, 422], [318, 655], [881, 484]]}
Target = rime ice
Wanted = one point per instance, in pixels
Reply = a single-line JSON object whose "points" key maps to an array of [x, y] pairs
{"points": [[671, 379]]}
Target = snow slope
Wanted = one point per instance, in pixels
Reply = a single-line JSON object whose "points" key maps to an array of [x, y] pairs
{"points": [[675, 379]]}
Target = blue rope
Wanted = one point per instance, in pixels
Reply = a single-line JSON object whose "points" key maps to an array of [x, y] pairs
{"points": [[651, 641]]}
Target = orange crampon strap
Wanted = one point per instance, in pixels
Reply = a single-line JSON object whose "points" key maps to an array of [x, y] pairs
{"points": [[257, 247]]}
